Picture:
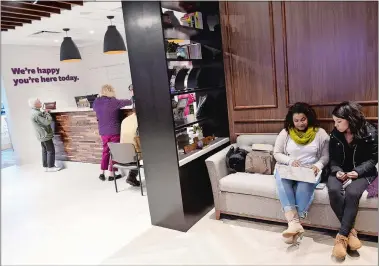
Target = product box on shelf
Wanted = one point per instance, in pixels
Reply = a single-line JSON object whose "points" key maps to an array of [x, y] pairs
{"points": [[194, 20], [198, 17]]}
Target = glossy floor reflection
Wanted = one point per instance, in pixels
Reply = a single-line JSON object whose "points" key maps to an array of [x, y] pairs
{"points": [[68, 217], [7, 158]]}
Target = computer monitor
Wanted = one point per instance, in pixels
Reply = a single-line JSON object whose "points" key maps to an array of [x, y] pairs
{"points": [[91, 98]]}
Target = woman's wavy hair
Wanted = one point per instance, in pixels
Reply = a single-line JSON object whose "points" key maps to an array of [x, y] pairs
{"points": [[301, 108], [108, 91], [352, 112]]}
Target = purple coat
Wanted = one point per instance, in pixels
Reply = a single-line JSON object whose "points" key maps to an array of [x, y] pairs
{"points": [[108, 114], [372, 189]]}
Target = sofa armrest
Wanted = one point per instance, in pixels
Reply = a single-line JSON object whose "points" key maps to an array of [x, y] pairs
{"points": [[216, 165]]}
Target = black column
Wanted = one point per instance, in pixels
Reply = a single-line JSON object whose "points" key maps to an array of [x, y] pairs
{"points": [[147, 58]]}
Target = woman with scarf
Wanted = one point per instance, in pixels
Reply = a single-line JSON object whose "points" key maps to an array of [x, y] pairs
{"points": [[301, 143], [353, 156]]}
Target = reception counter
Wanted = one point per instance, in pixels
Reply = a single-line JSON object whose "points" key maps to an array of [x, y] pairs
{"points": [[76, 134]]}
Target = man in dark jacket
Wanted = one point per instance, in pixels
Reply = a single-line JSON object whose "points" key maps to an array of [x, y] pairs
{"points": [[42, 124]]}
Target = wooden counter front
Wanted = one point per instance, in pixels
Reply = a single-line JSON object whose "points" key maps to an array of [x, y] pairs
{"points": [[76, 136]]}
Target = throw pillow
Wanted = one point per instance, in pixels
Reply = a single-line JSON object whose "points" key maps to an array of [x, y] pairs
{"points": [[372, 189]]}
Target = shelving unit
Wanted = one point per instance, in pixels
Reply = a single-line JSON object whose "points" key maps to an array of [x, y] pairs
{"points": [[178, 185], [211, 7], [197, 121], [186, 91]]}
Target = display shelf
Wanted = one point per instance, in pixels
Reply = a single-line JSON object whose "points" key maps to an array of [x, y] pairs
{"points": [[181, 92], [191, 6], [205, 37], [186, 60], [187, 190], [183, 28], [186, 158], [200, 120], [209, 61]]}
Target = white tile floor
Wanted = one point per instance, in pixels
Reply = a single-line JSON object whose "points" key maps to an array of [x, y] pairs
{"points": [[71, 217], [234, 242], [68, 217]]}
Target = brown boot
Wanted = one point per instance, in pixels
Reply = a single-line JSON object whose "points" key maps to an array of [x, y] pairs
{"points": [[294, 226], [340, 247], [353, 241]]}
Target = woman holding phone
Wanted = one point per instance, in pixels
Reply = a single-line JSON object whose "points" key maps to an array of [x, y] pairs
{"points": [[353, 156]]}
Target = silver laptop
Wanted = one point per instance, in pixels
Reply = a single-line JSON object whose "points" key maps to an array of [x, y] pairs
{"points": [[303, 174]]}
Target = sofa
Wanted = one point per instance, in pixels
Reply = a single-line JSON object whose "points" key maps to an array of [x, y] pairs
{"points": [[255, 195]]}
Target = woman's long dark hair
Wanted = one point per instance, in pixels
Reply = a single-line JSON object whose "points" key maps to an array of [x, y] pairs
{"points": [[352, 112], [301, 108]]}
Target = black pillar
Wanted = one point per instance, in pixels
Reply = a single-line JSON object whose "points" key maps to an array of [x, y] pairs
{"points": [[147, 58]]}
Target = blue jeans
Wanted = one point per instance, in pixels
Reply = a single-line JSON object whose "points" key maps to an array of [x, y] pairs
{"points": [[295, 195]]}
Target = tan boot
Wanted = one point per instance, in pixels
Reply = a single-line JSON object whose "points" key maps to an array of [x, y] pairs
{"points": [[353, 241], [288, 240], [294, 226], [293, 239], [340, 247]]}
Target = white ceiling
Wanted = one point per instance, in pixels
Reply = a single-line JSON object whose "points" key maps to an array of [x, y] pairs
{"points": [[87, 23]]}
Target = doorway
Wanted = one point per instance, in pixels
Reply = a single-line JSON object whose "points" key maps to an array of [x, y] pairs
{"points": [[7, 152]]}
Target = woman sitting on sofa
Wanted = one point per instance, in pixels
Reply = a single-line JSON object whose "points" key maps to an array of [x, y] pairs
{"points": [[302, 142], [353, 156]]}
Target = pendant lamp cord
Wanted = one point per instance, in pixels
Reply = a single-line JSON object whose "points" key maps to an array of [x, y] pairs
{"points": [[110, 18]]}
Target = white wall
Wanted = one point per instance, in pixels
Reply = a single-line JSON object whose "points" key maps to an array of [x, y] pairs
{"points": [[94, 70], [102, 69]]}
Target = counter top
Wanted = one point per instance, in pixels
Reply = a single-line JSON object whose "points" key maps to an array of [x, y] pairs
{"points": [[83, 109], [186, 158]]}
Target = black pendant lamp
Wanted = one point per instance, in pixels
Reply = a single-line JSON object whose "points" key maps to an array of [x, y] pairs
{"points": [[113, 42], [69, 50]]}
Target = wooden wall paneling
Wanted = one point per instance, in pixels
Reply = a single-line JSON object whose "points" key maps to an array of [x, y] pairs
{"points": [[298, 49], [331, 51], [251, 55], [251, 58], [224, 20]]}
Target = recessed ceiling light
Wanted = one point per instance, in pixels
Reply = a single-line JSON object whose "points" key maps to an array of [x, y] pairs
{"points": [[56, 40], [91, 31]]}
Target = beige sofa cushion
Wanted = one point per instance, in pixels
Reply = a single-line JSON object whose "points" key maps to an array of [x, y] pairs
{"points": [[250, 184], [265, 186]]}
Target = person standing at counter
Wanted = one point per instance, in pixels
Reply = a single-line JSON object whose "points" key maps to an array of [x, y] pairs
{"points": [[42, 124], [107, 109]]}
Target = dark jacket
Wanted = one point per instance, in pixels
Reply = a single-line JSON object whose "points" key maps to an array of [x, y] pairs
{"points": [[365, 155]]}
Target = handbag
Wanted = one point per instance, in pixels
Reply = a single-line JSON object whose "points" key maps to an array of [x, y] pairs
{"points": [[260, 160], [235, 160]]}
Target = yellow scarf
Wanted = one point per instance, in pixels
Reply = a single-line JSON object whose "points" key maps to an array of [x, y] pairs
{"points": [[303, 138]]}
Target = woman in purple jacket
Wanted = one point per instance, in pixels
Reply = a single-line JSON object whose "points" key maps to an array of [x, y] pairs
{"points": [[107, 109]]}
